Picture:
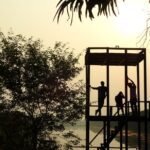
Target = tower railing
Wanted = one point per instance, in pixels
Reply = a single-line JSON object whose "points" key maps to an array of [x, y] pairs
{"points": [[114, 110]]}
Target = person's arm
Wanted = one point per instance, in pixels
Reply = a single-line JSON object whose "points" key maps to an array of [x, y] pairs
{"points": [[131, 81], [123, 96], [106, 92], [94, 88]]}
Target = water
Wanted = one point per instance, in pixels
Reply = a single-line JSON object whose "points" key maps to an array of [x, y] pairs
{"points": [[79, 130]]}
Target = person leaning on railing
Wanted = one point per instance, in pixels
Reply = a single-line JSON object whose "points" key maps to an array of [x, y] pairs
{"points": [[102, 93], [119, 102]]}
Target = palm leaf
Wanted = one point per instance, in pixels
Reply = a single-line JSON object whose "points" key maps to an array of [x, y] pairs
{"points": [[105, 7]]}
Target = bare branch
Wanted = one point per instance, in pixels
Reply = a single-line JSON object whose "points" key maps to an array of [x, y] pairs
{"points": [[144, 37]]}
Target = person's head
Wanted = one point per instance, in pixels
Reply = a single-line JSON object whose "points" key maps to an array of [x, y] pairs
{"points": [[120, 93], [129, 84], [102, 83]]}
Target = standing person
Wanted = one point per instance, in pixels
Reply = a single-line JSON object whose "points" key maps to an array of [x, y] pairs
{"points": [[133, 98], [102, 93], [119, 102]]}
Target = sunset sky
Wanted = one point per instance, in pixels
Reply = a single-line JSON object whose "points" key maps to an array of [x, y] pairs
{"points": [[35, 18]]}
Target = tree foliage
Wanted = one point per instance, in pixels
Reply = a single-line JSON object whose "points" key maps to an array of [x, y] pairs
{"points": [[15, 131], [37, 82], [105, 7]]}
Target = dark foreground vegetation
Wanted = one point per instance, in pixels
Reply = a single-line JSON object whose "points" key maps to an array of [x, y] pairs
{"points": [[37, 95]]}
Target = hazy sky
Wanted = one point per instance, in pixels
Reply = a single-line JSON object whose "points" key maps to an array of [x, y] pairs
{"points": [[35, 18]]}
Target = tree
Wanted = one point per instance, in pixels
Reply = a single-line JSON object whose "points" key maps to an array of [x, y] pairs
{"points": [[104, 7], [37, 82], [143, 39], [15, 131]]}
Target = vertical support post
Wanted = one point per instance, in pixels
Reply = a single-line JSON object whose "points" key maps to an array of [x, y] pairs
{"points": [[108, 122], [149, 110], [87, 102], [138, 88], [120, 139], [126, 101], [138, 103], [145, 100], [104, 132]]}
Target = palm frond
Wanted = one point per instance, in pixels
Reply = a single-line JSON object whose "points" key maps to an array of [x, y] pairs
{"points": [[105, 7]]}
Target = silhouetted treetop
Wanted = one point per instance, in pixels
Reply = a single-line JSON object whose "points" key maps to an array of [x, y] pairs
{"points": [[39, 83], [105, 7]]}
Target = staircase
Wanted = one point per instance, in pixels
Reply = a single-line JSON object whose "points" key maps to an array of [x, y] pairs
{"points": [[113, 134]]}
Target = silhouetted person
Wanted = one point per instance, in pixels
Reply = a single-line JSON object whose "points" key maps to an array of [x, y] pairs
{"points": [[133, 98], [119, 102], [102, 93]]}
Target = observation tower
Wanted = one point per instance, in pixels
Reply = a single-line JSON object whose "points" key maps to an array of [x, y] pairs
{"points": [[113, 124]]}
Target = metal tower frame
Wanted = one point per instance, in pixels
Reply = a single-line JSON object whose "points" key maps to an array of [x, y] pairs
{"points": [[116, 56]]}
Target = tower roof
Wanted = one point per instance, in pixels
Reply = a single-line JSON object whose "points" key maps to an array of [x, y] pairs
{"points": [[114, 56]]}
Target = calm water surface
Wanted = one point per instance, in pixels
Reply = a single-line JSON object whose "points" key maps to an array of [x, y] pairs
{"points": [[79, 129]]}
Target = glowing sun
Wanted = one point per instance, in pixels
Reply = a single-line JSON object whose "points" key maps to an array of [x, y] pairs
{"points": [[131, 19]]}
